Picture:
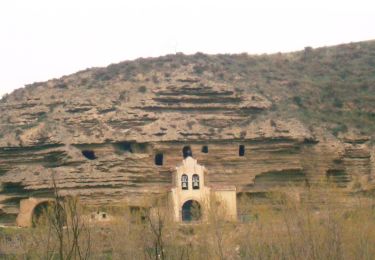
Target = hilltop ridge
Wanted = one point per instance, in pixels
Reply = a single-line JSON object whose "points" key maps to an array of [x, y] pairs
{"points": [[332, 87]]}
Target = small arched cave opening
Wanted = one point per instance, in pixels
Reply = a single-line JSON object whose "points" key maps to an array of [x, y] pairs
{"points": [[159, 159], [204, 149], [241, 150], [89, 154], [186, 151], [45, 211], [191, 211]]}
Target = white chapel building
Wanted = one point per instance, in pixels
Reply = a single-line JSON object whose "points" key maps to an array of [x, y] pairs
{"points": [[191, 197]]}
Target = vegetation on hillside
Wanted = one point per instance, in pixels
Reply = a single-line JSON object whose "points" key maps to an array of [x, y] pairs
{"points": [[334, 86], [329, 86]]}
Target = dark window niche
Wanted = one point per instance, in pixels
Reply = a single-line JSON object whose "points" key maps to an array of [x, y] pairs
{"points": [[125, 147], [89, 154], [186, 152], [241, 150], [205, 149], [159, 159]]}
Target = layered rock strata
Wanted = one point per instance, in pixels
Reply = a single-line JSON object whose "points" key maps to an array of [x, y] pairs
{"points": [[115, 135]]}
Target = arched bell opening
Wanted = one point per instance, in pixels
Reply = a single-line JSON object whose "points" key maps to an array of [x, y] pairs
{"points": [[184, 182], [195, 182], [191, 211]]}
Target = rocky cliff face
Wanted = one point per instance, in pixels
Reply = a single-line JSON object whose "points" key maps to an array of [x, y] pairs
{"points": [[257, 122]]}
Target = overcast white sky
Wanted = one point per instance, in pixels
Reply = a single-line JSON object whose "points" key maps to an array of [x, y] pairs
{"points": [[44, 39]]}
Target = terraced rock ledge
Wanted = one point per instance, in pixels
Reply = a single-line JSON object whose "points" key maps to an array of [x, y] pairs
{"points": [[115, 134]]}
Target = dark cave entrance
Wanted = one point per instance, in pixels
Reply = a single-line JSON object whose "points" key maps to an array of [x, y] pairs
{"points": [[204, 149], [159, 159], [125, 147], [186, 152], [241, 150], [89, 154]]}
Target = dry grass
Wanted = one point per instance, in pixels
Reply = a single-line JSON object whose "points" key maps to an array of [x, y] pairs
{"points": [[317, 226]]}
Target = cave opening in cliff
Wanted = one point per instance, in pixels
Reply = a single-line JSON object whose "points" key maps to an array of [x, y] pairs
{"points": [[241, 150], [13, 187], [45, 210], [159, 159], [89, 154], [204, 149], [125, 147], [186, 152]]}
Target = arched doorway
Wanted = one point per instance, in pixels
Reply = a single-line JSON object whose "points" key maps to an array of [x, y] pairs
{"points": [[191, 211], [46, 211]]}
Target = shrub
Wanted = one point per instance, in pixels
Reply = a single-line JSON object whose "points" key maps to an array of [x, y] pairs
{"points": [[298, 101], [338, 103], [198, 69], [142, 89]]}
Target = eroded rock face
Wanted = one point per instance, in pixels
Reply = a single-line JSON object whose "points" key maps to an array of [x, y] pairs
{"points": [[115, 134]]}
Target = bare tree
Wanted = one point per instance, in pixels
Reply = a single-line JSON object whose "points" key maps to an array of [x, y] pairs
{"points": [[66, 225]]}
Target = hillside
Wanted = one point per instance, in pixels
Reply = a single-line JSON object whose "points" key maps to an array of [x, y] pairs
{"points": [[303, 117], [332, 87]]}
